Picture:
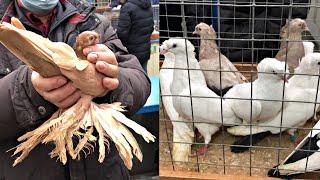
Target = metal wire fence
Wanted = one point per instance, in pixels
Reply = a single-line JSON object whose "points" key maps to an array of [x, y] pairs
{"points": [[99, 3], [247, 32]]}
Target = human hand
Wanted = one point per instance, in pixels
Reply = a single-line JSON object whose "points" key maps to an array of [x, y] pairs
{"points": [[106, 63], [56, 90]]}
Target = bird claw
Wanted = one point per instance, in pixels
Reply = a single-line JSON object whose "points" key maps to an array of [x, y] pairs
{"points": [[201, 152]]}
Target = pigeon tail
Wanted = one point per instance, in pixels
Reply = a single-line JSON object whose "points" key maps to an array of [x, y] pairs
{"points": [[301, 154], [274, 172], [219, 92], [245, 142]]}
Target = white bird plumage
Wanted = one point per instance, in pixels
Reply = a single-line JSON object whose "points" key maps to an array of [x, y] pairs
{"points": [[205, 109], [300, 161], [301, 88], [182, 133], [268, 86]]}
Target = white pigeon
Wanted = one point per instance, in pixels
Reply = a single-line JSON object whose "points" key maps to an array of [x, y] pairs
{"points": [[295, 114], [268, 86], [305, 157], [182, 134], [204, 108], [301, 87]]}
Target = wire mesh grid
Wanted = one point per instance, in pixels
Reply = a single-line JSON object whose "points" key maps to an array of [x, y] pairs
{"points": [[155, 10], [99, 3], [247, 32]]}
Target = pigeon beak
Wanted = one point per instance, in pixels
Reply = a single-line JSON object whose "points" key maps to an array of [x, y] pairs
{"points": [[305, 27], [194, 32], [163, 51]]}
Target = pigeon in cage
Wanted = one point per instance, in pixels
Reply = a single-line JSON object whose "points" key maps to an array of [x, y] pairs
{"points": [[291, 46], [305, 158], [182, 133], [268, 86], [299, 106], [212, 62], [204, 108]]}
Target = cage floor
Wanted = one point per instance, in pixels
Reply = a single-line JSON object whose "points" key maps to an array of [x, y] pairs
{"points": [[220, 160]]}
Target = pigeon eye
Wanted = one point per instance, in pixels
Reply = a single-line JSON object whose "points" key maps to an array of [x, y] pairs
{"points": [[318, 63], [199, 29], [174, 45]]}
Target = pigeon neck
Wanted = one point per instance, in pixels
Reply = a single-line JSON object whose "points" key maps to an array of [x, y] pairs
{"points": [[207, 45], [307, 69], [180, 73], [292, 37], [181, 60], [169, 57]]}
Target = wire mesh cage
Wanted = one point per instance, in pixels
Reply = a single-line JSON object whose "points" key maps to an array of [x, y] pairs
{"points": [[155, 9], [246, 32], [99, 3]]}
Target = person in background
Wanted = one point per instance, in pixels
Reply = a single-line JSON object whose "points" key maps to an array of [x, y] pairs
{"points": [[114, 3], [154, 2], [135, 26], [27, 99], [236, 23]]}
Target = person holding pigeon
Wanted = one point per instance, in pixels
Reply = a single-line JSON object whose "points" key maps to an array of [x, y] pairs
{"points": [[27, 99]]}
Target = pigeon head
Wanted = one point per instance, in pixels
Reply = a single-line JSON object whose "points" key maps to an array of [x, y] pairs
{"points": [[177, 46], [295, 26], [168, 55], [88, 38], [310, 63], [271, 68], [203, 29]]}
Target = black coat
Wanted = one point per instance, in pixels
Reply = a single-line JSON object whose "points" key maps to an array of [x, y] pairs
{"points": [[267, 25], [135, 26], [235, 23], [22, 109]]}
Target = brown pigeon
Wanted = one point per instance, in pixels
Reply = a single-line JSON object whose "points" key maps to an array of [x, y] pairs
{"points": [[210, 58], [292, 50]]}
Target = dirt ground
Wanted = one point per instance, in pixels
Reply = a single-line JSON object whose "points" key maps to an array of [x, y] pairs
{"points": [[220, 160]]}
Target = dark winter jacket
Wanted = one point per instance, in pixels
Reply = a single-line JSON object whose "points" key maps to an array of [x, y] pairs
{"points": [[135, 26], [267, 25], [235, 24], [23, 109]]}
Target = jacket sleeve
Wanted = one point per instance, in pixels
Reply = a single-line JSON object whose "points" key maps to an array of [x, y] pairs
{"points": [[21, 108], [134, 85], [124, 24], [8, 125]]}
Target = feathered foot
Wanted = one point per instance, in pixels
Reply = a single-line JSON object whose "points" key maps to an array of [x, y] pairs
{"points": [[181, 147], [112, 121], [80, 120], [56, 130]]}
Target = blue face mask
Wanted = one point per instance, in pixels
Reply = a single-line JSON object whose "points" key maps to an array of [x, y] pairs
{"points": [[39, 6]]}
